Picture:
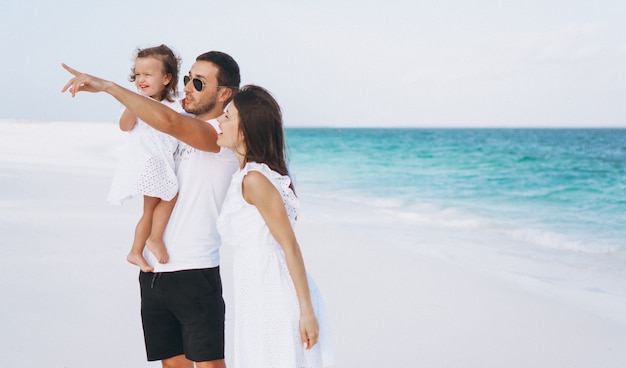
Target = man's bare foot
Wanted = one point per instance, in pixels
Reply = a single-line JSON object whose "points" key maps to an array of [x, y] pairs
{"points": [[157, 247], [138, 260]]}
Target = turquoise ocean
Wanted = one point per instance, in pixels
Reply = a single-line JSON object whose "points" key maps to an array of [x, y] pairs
{"points": [[556, 196]]}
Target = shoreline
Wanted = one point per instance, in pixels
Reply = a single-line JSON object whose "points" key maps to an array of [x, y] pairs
{"points": [[72, 295], [417, 310]]}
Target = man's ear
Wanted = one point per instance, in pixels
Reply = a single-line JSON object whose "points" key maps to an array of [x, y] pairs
{"points": [[225, 94]]}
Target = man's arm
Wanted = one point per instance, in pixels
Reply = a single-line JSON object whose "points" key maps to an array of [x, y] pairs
{"points": [[194, 132]]}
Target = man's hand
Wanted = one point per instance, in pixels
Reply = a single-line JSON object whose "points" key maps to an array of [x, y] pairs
{"points": [[84, 82]]}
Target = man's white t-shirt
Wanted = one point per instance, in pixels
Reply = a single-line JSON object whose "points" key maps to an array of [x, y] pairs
{"points": [[191, 236]]}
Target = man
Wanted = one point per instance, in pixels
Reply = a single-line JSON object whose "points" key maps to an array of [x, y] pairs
{"points": [[182, 307]]}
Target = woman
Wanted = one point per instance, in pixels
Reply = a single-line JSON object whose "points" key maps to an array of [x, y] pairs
{"points": [[280, 320]]}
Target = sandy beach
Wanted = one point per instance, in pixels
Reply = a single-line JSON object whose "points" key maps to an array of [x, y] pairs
{"points": [[71, 300]]}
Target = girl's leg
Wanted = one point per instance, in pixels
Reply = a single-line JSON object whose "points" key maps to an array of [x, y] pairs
{"points": [[160, 218], [142, 232]]}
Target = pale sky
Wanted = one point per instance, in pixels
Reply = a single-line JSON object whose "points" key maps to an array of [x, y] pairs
{"points": [[400, 63]]}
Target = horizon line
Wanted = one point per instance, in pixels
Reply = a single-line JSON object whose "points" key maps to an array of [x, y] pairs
{"points": [[368, 126]]}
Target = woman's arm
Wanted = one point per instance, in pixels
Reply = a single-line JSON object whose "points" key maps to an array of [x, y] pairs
{"points": [[194, 132], [259, 191]]}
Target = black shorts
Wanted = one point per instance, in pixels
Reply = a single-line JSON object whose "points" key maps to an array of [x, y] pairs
{"points": [[183, 313]]}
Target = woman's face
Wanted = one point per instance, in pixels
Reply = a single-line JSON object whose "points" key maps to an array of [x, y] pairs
{"points": [[230, 137]]}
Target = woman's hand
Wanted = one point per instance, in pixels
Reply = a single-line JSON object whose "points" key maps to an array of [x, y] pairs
{"points": [[309, 330]]}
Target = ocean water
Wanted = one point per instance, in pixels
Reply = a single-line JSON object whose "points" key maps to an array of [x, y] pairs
{"points": [[554, 195]]}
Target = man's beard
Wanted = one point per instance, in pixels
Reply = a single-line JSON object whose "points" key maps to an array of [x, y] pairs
{"points": [[200, 109]]}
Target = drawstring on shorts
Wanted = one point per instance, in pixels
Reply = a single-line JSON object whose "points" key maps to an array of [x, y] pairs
{"points": [[155, 277]]}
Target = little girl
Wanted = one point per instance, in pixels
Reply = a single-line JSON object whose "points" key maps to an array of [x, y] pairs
{"points": [[147, 164]]}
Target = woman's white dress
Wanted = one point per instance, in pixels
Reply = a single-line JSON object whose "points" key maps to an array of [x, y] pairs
{"points": [[267, 312], [146, 166]]}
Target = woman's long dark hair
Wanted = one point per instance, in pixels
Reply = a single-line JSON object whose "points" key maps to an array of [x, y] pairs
{"points": [[261, 122]]}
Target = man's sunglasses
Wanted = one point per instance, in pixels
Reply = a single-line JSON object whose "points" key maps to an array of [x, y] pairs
{"points": [[197, 83]]}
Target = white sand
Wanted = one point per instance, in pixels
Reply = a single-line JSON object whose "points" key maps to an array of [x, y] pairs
{"points": [[69, 299]]}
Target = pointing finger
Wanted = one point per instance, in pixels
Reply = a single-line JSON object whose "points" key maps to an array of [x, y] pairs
{"points": [[69, 69], [75, 73]]}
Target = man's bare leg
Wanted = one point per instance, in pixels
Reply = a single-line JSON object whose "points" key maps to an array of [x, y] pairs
{"points": [[211, 364], [179, 361]]}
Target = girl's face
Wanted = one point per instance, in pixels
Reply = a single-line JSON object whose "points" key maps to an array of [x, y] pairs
{"points": [[230, 137], [150, 78]]}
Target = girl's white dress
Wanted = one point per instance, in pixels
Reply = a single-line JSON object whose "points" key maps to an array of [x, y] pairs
{"points": [[267, 312], [146, 166]]}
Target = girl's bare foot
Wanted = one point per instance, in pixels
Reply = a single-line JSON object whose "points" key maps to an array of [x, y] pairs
{"points": [[157, 247], [138, 260]]}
